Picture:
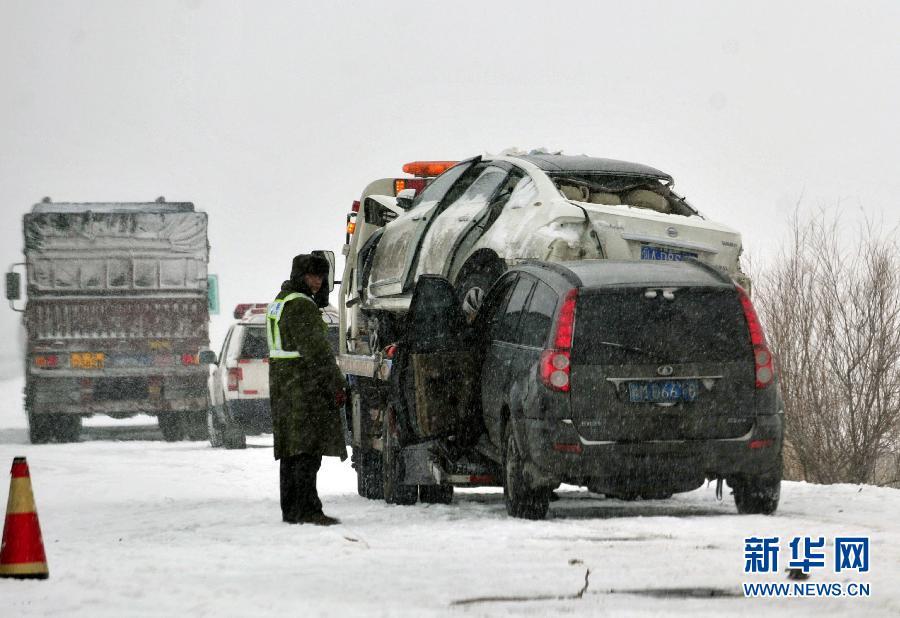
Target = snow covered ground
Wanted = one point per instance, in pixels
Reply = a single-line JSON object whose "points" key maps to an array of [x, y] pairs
{"points": [[136, 526]]}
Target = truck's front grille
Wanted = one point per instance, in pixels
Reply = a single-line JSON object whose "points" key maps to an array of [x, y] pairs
{"points": [[110, 318]]}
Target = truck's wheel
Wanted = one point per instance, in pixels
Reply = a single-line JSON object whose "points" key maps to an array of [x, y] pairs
{"points": [[521, 500], [392, 469], [171, 426], [369, 481], [67, 427], [38, 428], [436, 494], [195, 425]]}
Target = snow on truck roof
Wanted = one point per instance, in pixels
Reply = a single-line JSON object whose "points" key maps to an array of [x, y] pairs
{"points": [[111, 207], [592, 165]]}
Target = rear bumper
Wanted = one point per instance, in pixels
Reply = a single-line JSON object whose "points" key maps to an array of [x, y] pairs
{"points": [[123, 407], [671, 465], [117, 395]]}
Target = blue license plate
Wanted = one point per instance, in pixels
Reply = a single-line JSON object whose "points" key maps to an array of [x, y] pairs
{"points": [[668, 391], [664, 254]]}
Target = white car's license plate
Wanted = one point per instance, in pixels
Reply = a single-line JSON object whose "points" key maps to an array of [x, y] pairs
{"points": [[664, 254]]}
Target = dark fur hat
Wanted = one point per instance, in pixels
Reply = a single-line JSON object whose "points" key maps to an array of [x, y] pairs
{"points": [[308, 264]]}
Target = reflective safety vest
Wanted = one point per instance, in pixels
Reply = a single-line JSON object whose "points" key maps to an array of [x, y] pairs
{"points": [[273, 333]]}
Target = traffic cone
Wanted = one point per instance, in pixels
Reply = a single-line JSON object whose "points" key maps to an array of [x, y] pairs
{"points": [[22, 552]]}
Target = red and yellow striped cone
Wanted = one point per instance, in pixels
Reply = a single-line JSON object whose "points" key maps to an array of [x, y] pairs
{"points": [[22, 552]]}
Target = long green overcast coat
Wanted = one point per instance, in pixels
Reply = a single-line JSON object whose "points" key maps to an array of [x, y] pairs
{"points": [[305, 414]]}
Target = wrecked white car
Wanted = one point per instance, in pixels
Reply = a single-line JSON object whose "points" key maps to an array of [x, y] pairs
{"points": [[486, 213]]}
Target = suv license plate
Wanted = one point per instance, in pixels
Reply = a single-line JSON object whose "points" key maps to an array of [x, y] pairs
{"points": [[669, 391], [664, 254]]}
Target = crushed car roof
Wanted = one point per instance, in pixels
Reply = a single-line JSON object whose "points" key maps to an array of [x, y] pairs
{"points": [[595, 165]]}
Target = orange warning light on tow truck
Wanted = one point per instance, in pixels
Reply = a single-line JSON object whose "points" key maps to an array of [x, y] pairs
{"points": [[428, 168]]}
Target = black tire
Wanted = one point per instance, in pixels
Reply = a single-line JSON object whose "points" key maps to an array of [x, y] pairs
{"points": [[67, 427], [215, 429], [436, 494], [38, 429], [474, 284], [44, 428], [234, 438], [170, 426], [656, 495], [369, 481], [392, 470], [521, 500], [195, 425], [757, 495]]}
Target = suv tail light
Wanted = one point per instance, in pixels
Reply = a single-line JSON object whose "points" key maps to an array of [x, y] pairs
{"points": [[235, 375], [762, 356], [556, 362]]}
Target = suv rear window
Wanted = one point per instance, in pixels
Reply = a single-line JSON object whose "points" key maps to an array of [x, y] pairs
{"points": [[254, 344], [624, 327]]}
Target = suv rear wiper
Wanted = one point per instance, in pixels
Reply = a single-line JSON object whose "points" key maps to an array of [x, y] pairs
{"points": [[647, 353]]}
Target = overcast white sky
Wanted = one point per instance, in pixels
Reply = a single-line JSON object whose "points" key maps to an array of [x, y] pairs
{"points": [[272, 116]]}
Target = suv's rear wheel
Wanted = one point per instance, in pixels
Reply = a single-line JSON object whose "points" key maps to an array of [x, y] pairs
{"points": [[521, 500], [756, 495], [392, 469]]}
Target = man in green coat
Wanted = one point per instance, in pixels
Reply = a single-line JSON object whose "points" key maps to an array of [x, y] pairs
{"points": [[305, 389]]}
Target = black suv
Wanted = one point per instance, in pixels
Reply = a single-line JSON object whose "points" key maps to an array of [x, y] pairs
{"points": [[635, 379]]}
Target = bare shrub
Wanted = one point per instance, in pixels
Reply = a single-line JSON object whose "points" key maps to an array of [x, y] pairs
{"points": [[832, 315]]}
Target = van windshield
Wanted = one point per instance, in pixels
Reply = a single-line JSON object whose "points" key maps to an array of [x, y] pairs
{"points": [[625, 327]]}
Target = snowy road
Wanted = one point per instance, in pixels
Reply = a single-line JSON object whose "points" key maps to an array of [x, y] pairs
{"points": [[143, 527]]}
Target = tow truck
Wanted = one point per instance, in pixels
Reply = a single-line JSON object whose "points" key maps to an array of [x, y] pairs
{"points": [[578, 207]]}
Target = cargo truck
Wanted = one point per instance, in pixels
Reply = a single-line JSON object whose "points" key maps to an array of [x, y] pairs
{"points": [[115, 313]]}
